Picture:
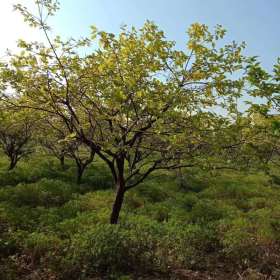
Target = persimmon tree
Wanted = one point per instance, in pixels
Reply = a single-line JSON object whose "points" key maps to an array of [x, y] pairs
{"points": [[16, 130], [136, 101], [264, 87], [50, 140], [265, 146], [82, 154], [56, 140]]}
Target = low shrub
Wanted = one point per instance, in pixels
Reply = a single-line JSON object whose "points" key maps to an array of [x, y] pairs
{"points": [[46, 192]]}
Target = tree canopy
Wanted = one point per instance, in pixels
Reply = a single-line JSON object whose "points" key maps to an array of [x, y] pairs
{"points": [[135, 100]]}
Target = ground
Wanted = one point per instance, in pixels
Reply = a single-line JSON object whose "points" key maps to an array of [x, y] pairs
{"points": [[213, 226]]}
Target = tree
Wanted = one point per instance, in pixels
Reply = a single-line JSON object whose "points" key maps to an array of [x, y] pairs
{"points": [[83, 156], [264, 87], [137, 102], [53, 136], [51, 140], [15, 135]]}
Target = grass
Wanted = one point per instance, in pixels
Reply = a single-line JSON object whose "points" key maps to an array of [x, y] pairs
{"points": [[220, 226]]}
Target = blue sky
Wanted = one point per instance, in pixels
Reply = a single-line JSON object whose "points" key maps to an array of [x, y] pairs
{"points": [[255, 21]]}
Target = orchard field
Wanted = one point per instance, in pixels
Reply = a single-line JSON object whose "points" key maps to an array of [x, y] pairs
{"points": [[124, 156], [202, 227]]}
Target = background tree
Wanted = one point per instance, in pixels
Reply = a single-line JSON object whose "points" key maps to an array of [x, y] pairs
{"points": [[83, 156], [53, 137], [16, 130], [50, 139], [264, 110]]}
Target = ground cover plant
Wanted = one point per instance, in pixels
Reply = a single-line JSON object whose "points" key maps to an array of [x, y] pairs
{"points": [[52, 228]]}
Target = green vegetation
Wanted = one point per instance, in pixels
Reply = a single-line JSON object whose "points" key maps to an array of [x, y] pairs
{"points": [[134, 161], [51, 228]]}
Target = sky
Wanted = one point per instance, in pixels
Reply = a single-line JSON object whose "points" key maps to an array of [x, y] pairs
{"points": [[254, 21]]}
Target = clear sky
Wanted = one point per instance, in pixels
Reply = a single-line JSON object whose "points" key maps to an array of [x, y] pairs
{"points": [[255, 21]]}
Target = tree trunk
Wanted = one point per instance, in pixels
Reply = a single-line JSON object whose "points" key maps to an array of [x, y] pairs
{"points": [[120, 190], [181, 179], [117, 204], [12, 165], [80, 172], [62, 162]]}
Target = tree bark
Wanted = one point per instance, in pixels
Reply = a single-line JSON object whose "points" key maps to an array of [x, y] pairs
{"points": [[120, 190], [117, 204], [80, 172], [12, 165], [62, 162], [181, 179]]}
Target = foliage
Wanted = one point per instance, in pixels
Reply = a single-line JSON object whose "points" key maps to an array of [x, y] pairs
{"points": [[152, 116], [52, 227], [135, 101], [15, 134]]}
